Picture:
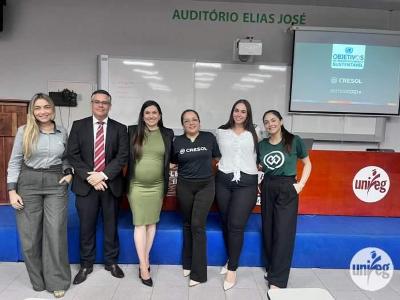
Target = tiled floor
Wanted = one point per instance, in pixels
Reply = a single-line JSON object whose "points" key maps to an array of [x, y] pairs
{"points": [[169, 283]]}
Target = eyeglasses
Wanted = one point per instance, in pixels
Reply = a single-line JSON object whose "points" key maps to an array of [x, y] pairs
{"points": [[98, 102], [185, 122]]}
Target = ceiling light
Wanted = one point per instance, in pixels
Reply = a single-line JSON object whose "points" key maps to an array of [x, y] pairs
{"points": [[138, 63]]}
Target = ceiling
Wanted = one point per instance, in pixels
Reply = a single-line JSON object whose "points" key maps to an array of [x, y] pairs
{"points": [[389, 5]]}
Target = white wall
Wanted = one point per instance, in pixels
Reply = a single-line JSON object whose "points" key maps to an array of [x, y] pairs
{"points": [[46, 41]]}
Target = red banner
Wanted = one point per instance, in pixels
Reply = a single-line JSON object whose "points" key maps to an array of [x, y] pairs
{"points": [[351, 183]]}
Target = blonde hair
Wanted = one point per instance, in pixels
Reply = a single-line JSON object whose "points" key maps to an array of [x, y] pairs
{"points": [[31, 130]]}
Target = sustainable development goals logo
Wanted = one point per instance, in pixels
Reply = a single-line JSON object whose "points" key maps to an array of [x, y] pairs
{"points": [[351, 57]]}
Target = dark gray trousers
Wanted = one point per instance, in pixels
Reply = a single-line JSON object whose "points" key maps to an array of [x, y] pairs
{"points": [[42, 227]]}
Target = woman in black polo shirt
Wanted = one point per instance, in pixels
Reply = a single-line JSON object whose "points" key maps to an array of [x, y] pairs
{"points": [[193, 153], [279, 198]]}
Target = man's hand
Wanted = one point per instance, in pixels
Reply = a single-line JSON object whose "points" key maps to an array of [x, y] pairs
{"points": [[101, 186], [95, 178]]}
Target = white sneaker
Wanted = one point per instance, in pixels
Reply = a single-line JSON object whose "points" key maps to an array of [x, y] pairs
{"points": [[186, 273]]}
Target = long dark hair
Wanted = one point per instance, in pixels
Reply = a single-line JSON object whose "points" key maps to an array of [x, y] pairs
{"points": [[248, 124], [140, 134], [287, 137]]}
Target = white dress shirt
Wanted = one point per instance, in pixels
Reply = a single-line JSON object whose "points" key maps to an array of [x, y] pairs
{"points": [[238, 153]]}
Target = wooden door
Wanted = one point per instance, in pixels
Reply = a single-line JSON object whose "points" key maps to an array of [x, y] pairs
{"points": [[12, 115]]}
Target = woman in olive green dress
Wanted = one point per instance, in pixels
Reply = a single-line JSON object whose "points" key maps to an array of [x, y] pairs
{"points": [[148, 170]]}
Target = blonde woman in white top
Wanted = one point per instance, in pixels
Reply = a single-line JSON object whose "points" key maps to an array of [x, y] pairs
{"points": [[236, 182]]}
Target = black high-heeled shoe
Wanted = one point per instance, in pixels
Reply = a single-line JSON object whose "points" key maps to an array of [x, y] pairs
{"points": [[148, 282]]}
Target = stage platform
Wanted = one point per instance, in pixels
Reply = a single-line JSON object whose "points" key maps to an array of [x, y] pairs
{"points": [[321, 241]]}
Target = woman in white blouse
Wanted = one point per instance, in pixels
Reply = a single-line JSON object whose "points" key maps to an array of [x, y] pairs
{"points": [[236, 182]]}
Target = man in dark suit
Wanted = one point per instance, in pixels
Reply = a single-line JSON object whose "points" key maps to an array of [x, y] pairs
{"points": [[98, 150]]}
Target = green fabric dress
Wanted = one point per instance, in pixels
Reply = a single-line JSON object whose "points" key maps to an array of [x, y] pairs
{"points": [[147, 186]]}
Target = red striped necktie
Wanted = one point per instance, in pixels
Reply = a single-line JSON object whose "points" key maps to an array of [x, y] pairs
{"points": [[99, 154]]}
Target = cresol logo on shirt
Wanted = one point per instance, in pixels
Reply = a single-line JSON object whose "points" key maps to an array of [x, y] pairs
{"points": [[371, 184], [197, 149]]}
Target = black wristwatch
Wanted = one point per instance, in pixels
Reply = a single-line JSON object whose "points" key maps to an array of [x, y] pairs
{"points": [[68, 171]]}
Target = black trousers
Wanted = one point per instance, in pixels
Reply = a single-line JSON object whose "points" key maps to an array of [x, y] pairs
{"points": [[88, 209], [279, 204], [195, 198], [236, 201]]}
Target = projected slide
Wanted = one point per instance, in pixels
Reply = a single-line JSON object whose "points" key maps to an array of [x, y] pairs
{"points": [[345, 78]]}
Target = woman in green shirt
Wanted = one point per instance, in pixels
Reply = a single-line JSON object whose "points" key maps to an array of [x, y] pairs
{"points": [[278, 156], [148, 172]]}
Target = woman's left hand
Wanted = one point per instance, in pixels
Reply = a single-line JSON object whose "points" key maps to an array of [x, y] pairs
{"points": [[66, 178], [298, 187]]}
